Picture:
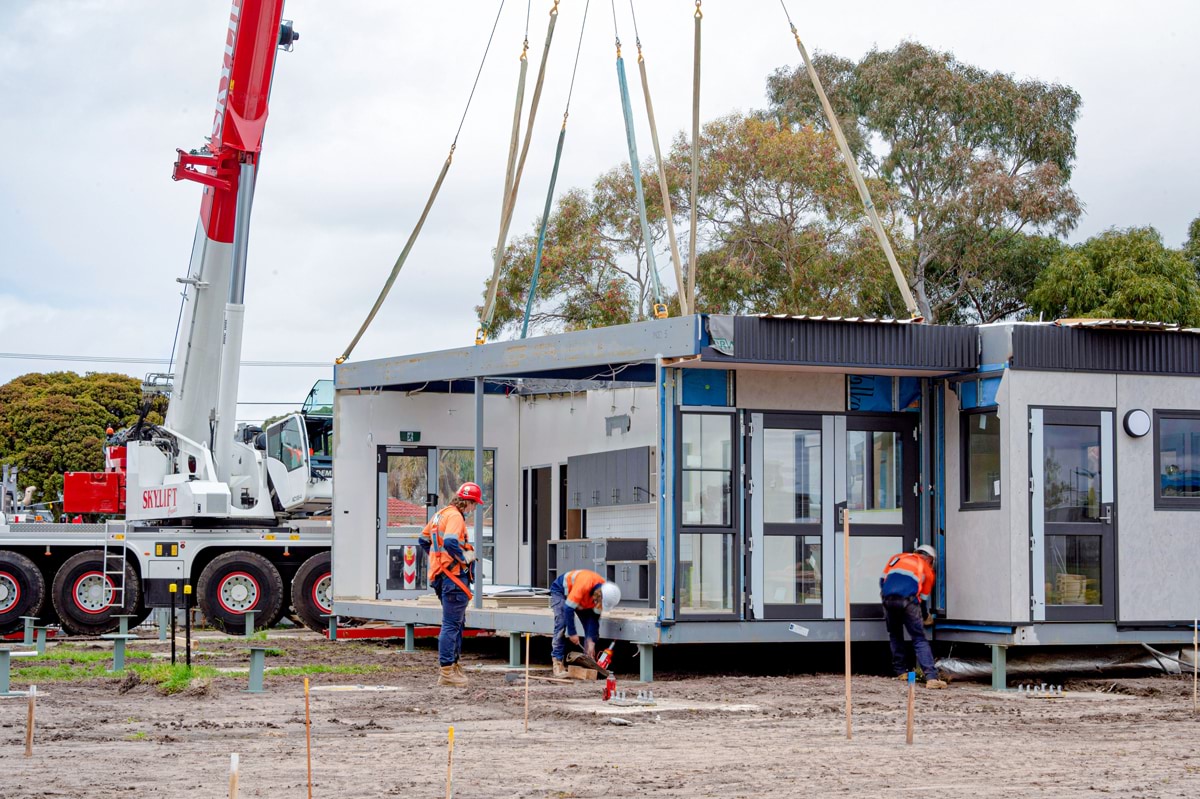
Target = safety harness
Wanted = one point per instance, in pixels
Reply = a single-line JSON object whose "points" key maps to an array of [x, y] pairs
{"points": [[441, 561]]}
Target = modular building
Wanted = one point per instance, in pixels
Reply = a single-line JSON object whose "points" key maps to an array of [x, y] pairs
{"points": [[703, 464]]}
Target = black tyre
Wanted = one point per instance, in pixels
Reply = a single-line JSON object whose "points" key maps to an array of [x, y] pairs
{"points": [[22, 591], [312, 592], [236, 582], [87, 600]]}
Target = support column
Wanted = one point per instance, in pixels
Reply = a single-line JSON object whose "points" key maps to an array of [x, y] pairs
{"points": [[410, 638], [514, 650], [999, 667], [479, 482], [164, 616], [646, 659]]}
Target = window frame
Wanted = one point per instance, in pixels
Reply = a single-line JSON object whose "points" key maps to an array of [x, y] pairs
{"points": [[966, 416], [721, 529], [1161, 502]]}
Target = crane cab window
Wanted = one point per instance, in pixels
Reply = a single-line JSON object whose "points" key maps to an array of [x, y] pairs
{"points": [[285, 443]]}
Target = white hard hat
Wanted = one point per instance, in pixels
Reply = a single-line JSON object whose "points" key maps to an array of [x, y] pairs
{"points": [[927, 550], [610, 596]]}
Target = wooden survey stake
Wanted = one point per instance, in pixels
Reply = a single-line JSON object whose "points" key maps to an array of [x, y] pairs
{"points": [[308, 736], [450, 767], [233, 776], [846, 607], [912, 697], [526, 682], [29, 722]]}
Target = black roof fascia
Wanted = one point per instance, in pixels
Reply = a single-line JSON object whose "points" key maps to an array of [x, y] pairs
{"points": [[577, 355], [851, 344], [1063, 349]]}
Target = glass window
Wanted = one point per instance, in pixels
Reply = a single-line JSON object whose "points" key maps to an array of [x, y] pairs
{"points": [[981, 458], [792, 570], [1073, 570], [707, 470], [791, 476], [407, 487], [1178, 459], [285, 443], [706, 573], [457, 466], [1072, 490], [873, 476], [868, 555]]}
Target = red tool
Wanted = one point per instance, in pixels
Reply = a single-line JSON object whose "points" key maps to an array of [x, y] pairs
{"points": [[605, 657], [610, 687]]}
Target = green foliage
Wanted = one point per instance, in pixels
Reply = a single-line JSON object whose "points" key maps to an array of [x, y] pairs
{"points": [[1123, 274], [169, 679], [54, 423], [1191, 248], [974, 158], [321, 668]]}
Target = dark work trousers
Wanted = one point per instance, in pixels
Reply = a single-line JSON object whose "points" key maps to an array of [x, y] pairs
{"points": [[904, 613], [590, 619], [454, 618]]}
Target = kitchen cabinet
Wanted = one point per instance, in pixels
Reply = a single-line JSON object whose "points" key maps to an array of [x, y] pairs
{"points": [[607, 479]]}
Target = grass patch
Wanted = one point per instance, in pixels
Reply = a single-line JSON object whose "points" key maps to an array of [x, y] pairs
{"points": [[321, 668], [274, 652], [58, 672], [261, 635], [79, 655], [140, 735], [170, 679]]}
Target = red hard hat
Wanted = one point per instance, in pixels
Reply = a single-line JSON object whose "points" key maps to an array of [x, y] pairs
{"points": [[470, 491]]}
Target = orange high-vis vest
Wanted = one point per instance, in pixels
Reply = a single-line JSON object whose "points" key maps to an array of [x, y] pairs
{"points": [[580, 584], [448, 521], [909, 565]]}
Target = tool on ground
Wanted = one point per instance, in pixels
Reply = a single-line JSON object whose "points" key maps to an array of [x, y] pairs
{"points": [[450, 765], [605, 658], [308, 736], [610, 687], [584, 662], [912, 698], [233, 776], [517, 676], [29, 722]]}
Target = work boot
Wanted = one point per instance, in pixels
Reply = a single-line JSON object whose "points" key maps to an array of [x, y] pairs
{"points": [[560, 669], [458, 669], [447, 676], [935, 683]]}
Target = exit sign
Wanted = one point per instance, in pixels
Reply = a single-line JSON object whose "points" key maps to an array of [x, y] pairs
{"points": [[410, 436]]}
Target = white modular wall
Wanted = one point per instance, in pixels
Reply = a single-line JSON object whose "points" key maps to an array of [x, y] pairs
{"points": [[987, 555], [363, 422], [1158, 551], [768, 390]]}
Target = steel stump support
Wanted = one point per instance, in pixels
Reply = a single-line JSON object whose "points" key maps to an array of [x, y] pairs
{"points": [[119, 654], [257, 659], [410, 638], [249, 630], [4, 674], [41, 640], [999, 667], [30, 624], [646, 661], [333, 624], [514, 650], [163, 620]]}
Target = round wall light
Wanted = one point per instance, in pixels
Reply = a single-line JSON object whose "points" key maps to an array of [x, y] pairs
{"points": [[1137, 423]]}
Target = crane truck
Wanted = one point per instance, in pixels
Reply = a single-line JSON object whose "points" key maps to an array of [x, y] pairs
{"points": [[240, 515]]}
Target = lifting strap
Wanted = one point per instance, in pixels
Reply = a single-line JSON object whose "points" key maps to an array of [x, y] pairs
{"points": [[855, 175], [668, 214], [691, 277], [660, 308], [516, 124], [489, 306], [562, 135], [437, 186]]}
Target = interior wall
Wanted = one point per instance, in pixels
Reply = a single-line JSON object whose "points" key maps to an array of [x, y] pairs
{"points": [[365, 421]]}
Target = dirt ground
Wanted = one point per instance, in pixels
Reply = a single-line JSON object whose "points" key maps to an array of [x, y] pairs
{"points": [[709, 736]]}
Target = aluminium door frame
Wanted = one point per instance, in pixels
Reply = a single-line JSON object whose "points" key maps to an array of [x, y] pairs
{"points": [[1109, 571], [382, 539]]}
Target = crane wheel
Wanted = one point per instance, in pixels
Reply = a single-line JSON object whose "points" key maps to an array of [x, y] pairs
{"points": [[22, 590], [87, 600], [312, 592], [235, 582]]}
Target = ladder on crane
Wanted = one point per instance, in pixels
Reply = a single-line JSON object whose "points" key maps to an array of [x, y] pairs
{"points": [[114, 558]]}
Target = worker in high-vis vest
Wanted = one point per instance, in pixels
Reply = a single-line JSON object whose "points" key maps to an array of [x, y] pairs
{"points": [[444, 540], [586, 594], [905, 588]]}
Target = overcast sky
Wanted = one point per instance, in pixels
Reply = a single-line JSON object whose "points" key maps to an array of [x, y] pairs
{"points": [[97, 94]]}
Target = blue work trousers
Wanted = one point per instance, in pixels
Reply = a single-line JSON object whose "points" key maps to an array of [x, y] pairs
{"points": [[904, 613], [454, 618], [590, 619]]}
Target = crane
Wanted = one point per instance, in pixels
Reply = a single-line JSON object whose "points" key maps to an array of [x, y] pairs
{"points": [[236, 512]]}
